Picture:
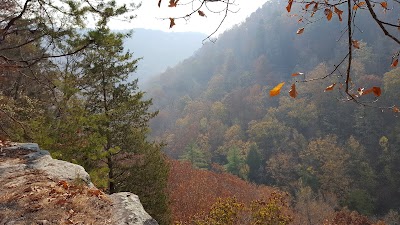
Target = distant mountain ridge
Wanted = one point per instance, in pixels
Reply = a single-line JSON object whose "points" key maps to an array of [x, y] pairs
{"points": [[160, 50]]}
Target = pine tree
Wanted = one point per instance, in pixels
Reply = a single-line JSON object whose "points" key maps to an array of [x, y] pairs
{"points": [[107, 124]]}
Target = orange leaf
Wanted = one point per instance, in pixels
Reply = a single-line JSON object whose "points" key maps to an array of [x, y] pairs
{"points": [[293, 92], [367, 91], [394, 63], [171, 22], [296, 74], [308, 5], [300, 30], [330, 87], [159, 3], [377, 91], [63, 183], [289, 6], [339, 13], [201, 13], [396, 110], [276, 90], [356, 6], [328, 14], [384, 5], [355, 44]]}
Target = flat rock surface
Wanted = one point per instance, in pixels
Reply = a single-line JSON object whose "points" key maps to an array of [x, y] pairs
{"points": [[37, 189]]}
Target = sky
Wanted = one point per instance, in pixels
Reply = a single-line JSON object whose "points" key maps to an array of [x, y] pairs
{"points": [[150, 16]]}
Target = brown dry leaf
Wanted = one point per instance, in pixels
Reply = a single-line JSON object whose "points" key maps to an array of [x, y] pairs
{"points": [[315, 8], [328, 14], [308, 5], [171, 22], [172, 3], [95, 192], [384, 5], [276, 90], [339, 13], [201, 13], [330, 87], [355, 44], [297, 74], [377, 91], [396, 110], [300, 30], [63, 183], [289, 6], [394, 63], [159, 3], [293, 92], [356, 6]]}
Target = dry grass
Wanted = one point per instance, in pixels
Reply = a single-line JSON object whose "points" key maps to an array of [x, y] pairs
{"points": [[31, 197]]}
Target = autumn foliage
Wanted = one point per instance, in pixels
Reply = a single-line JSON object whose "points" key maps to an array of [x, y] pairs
{"points": [[194, 191]]}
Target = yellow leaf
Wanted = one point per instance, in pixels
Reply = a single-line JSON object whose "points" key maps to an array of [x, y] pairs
{"points": [[384, 5], [171, 22], [201, 13], [339, 13], [328, 14], [289, 6], [394, 63], [355, 44], [276, 90], [300, 30], [293, 92], [330, 87], [356, 6]]}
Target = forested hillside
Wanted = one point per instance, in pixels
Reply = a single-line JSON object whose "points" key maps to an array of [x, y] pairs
{"points": [[215, 108]]}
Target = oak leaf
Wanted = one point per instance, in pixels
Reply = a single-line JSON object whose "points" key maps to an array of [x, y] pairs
{"points": [[358, 5], [276, 90], [315, 8], [330, 87], [201, 13], [297, 74], [377, 91], [293, 92], [308, 5], [328, 14], [355, 44], [300, 30], [171, 22], [394, 63], [172, 3], [289, 6], [339, 13]]}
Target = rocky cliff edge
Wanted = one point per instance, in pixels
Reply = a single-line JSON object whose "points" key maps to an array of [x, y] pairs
{"points": [[37, 189]]}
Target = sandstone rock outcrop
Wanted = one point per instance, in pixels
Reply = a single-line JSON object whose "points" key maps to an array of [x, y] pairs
{"points": [[37, 189]]}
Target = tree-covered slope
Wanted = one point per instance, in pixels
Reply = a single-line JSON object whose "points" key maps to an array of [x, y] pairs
{"points": [[215, 106]]}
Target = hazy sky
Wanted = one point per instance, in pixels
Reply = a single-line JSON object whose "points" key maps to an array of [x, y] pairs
{"points": [[148, 16]]}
